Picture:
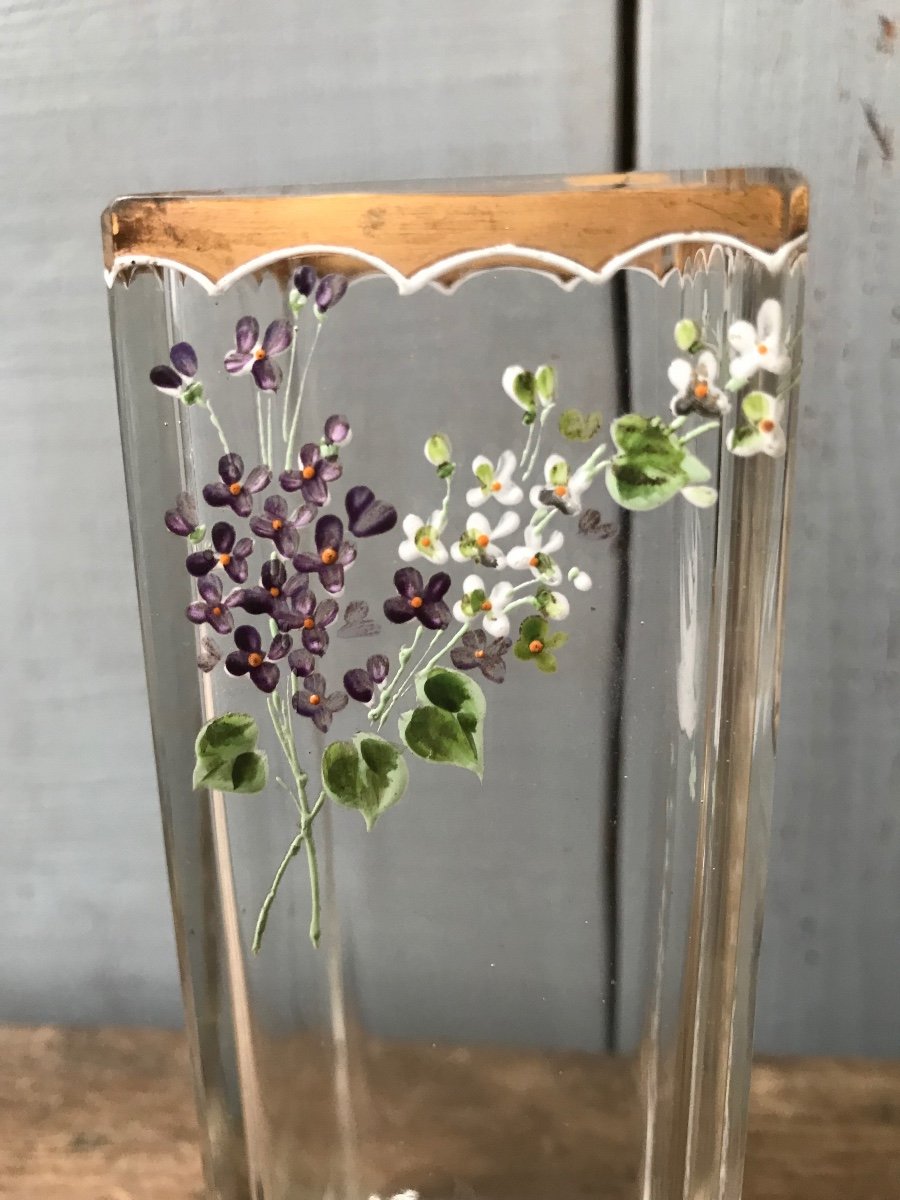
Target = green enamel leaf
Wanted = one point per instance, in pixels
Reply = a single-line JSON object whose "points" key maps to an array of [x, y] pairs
{"points": [[578, 426], [226, 756], [367, 774], [197, 535], [436, 735], [448, 725], [485, 474], [247, 773], [227, 736], [755, 406]]}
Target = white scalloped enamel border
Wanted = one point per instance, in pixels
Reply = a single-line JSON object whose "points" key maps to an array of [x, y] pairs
{"points": [[407, 285]]}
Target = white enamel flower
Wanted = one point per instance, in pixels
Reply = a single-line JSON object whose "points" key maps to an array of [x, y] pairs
{"points": [[536, 555], [496, 481], [759, 347], [477, 543], [560, 489], [423, 539], [491, 605], [764, 434], [695, 386]]}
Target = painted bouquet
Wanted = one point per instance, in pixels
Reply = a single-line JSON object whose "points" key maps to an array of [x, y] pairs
{"points": [[279, 612]]}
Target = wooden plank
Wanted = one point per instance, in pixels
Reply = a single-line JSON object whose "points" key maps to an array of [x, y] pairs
{"points": [[107, 1115], [198, 97], [819, 91], [589, 222]]}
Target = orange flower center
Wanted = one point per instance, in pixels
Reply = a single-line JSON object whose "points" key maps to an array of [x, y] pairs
{"points": [[273, 591], [217, 611], [483, 540], [328, 555], [416, 602], [277, 524], [308, 623], [255, 660], [496, 486], [425, 541], [235, 489], [560, 490], [536, 646], [486, 606], [479, 654], [258, 354], [533, 562], [225, 559], [767, 425], [701, 390], [315, 698], [762, 348], [309, 472]]}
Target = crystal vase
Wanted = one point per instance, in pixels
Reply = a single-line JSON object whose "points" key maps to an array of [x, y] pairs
{"points": [[459, 518]]}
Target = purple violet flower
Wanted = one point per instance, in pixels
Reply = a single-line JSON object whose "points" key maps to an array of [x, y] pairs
{"points": [[314, 619], [329, 290], [337, 432], [367, 515], [313, 477], [478, 651], [211, 608], [231, 491], [251, 354], [301, 663], [334, 554], [418, 599], [361, 682], [250, 658], [288, 610], [228, 552], [313, 703], [178, 380], [274, 523]]}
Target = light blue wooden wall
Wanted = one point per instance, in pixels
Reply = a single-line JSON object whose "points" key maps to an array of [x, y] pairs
{"points": [[98, 98]]}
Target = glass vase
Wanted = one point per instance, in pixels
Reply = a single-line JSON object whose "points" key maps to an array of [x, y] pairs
{"points": [[461, 594]]}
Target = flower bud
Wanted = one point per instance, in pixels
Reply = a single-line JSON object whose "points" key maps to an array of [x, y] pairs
{"points": [[438, 449], [687, 336], [545, 383], [580, 579], [329, 290]]}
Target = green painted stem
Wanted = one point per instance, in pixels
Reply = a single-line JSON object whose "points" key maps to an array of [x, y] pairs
{"points": [[269, 428], [280, 718], [263, 919], [287, 387], [292, 434], [216, 426], [260, 434], [704, 428], [403, 658], [445, 507]]}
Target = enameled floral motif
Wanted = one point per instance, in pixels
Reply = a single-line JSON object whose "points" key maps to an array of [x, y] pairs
{"points": [[273, 571]]}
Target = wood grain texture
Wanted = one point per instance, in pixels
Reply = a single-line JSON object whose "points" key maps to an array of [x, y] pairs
{"points": [[93, 105], [799, 83], [590, 221], [107, 1115]]}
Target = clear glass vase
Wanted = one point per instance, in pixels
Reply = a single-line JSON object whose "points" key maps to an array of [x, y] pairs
{"points": [[461, 593]]}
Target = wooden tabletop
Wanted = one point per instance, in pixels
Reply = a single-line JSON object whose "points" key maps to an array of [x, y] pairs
{"points": [[108, 1115]]}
